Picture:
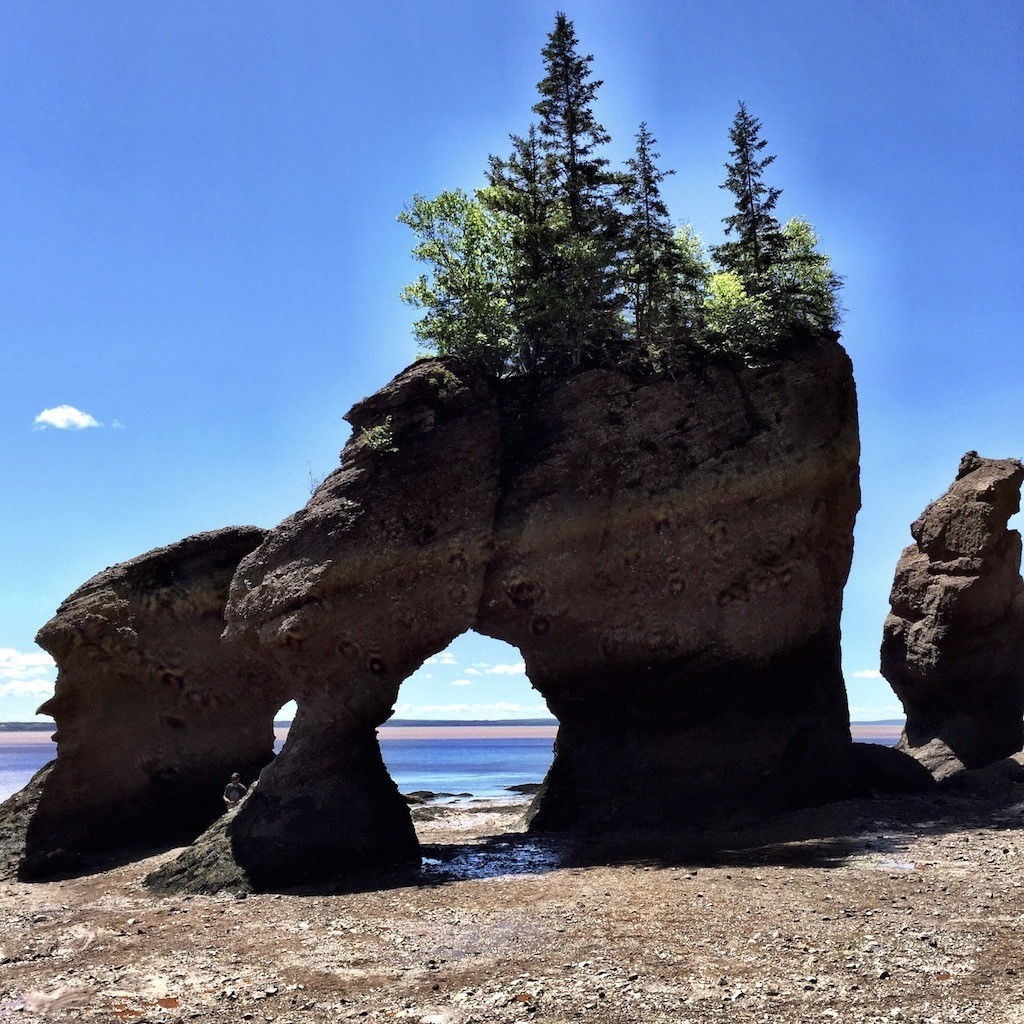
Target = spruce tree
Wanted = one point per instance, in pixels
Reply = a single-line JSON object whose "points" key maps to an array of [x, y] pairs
{"points": [[522, 190], [652, 258], [759, 244], [805, 283], [585, 224], [691, 271]]}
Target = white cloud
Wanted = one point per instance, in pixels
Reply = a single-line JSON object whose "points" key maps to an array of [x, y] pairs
{"points": [[518, 669], [462, 682], [496, 711], [472, 672], [866, 673], [27, 688], [444, 658], [26, 673], [65, 417]]}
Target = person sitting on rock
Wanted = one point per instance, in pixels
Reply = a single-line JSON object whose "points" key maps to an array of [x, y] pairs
{"points": [[234, 791]]}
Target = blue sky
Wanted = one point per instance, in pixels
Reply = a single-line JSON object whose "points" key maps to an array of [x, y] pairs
{"points": [[200, 251]]}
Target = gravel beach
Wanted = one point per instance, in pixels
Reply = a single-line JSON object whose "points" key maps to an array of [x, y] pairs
{"points": [[906, 908]]}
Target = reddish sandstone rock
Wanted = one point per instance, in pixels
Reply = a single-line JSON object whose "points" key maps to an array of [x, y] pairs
{"points": [[153, 712], [953, 644], [345, 599], [671, 558], [668, 555]]}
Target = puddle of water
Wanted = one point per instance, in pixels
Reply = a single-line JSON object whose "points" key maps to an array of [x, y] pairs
{"points": [[498, 860]]}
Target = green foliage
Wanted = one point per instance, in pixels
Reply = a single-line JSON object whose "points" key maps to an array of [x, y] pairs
{"points": [[734, 320], [381, 438], [690, 282], [653, 260], [561, 262], [444, 380], [466, 295], [557, 191], [799, 290], [806, 286]]}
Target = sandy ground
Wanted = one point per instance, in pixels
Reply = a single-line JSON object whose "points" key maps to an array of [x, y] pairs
{"points": [[902, 909]]}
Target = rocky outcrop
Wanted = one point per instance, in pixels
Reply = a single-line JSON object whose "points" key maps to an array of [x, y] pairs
{"points": [[953, 644], [671, 558], [15, 814], [153, 712], [668, 554], [383, 568]]}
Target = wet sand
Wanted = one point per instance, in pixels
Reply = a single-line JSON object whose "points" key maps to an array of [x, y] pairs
{"points": [[19, 739]]}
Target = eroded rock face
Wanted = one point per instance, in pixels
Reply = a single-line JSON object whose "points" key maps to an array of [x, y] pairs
{"points": [[953, 644], [383, 568], [153, 712], [671, 558], [668, 555]]}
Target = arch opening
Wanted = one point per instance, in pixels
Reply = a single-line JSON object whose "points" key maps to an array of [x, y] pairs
{"points": [[469, 731], [282, 723]]}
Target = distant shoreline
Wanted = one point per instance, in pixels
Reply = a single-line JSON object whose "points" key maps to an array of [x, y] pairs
{"points": [[888, 730], [435, 723]]}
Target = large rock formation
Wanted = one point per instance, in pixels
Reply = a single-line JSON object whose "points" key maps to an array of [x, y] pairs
{"points": [[953, 645], [153, 712], [668, 554]]}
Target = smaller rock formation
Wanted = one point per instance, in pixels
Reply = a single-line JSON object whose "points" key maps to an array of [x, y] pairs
{"points": [[953, 645], [15, 814], [153, 711]]}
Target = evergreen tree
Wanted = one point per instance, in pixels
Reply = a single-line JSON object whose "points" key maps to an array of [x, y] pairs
{"points": [[652, 258], [585, 226], [759, 244], [523, 192], [692, 270]]}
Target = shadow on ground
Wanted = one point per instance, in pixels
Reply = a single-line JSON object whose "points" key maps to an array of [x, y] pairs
{"points": [[828, 837]]}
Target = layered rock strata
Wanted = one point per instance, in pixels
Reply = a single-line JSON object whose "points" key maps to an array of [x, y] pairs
{"points": [[953, 644], [667, 554], [153, 712]]}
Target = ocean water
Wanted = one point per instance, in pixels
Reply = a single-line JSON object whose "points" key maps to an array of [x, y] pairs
{"points": [[481, 767], [20, 761]]}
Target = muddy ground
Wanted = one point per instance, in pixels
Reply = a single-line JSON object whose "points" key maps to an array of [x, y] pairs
{"points": [[898, 909]]}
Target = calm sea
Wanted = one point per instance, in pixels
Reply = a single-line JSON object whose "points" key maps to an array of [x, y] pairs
{"points": [[482, 767], [20, 761]]}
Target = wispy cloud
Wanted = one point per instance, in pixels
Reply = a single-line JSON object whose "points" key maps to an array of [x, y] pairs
{"points": [[866, 673], [472, 671], [65, 417], [26, 673], [462, 682]]}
